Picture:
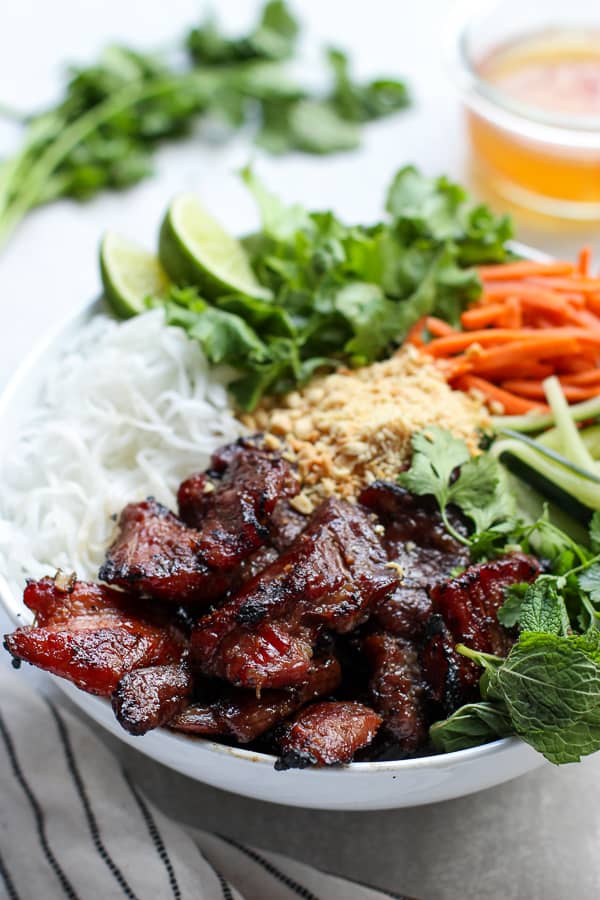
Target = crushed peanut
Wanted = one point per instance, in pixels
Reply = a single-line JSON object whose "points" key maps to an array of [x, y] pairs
{"points": [[352, 427]]}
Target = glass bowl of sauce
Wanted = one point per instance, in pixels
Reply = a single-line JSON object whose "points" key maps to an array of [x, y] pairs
{"points": [[529, 75]]}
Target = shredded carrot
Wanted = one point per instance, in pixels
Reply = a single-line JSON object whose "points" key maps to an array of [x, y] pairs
{"points": [[583, 284], [512, 314], [500, 291], [584, 260], [415, 334], [534, 390], [437, 327], [509, 404], [531, 321], [501, 360], [481, 316], [582, 379], [524, 269]]}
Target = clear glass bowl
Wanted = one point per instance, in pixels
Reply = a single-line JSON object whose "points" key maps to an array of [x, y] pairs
{"points": [[549, 162]]}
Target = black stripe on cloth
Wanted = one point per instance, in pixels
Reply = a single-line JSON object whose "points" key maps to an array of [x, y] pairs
{"points": [[288, 882], [87, 808], [156, 838], [225, 889], [40, 822], [11, 890]]}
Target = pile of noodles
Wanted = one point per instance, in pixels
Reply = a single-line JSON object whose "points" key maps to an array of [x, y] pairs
{"points": [[127, 411]]}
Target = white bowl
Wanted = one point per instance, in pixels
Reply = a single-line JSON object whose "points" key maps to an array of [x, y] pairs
{"points": [[373, 785]]}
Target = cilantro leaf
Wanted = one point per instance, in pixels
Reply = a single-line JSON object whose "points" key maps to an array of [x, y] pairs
{"points": [[589, 581], [113, 114], [361, 103], [436, 454], [479, 490], [510, 612]]}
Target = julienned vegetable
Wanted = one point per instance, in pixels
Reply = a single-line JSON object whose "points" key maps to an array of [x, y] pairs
{"points": [[561, 462], [331, 293], [531, 321], [547, 690], [114, 113]]}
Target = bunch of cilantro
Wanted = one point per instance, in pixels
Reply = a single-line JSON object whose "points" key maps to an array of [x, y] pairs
{"points": [[103, 132], [547, 690], [343, 293]]}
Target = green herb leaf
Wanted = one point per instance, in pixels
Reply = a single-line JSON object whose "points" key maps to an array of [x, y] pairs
{"points": [[479, 490], [436, 454], [361, 103], [114, 113], [470, 726], [550, 688], [589, 581], [544, 609], [510, 612]]}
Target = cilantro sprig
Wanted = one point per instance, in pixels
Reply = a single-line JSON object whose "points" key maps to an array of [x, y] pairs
{"points": [[443, 467], [344, 294], [115, 112]]}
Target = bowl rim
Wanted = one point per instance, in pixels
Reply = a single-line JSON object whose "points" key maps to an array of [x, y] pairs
{"points": [[15, 610], [571, 132]]}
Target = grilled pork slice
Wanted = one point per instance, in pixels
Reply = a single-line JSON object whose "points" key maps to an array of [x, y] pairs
{"points": [[465, 611], [330, 577], [398, 689], [147, 698], [233, 502], [92, 635], [156, 554], [415, 538], [244, 716], [326, 734]]}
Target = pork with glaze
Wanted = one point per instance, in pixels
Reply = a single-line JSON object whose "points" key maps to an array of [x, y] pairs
{"points": [[242, 715], [326, 734], [93, 635], [330, 577], [465, 611]]}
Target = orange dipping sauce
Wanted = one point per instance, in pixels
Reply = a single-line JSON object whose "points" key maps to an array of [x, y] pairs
{"points": [[550, 80]]}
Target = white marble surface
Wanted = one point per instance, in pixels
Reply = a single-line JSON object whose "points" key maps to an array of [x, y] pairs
{"points": [[534, 838]]}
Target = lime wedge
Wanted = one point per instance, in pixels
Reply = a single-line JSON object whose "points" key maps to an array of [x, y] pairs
{"points": [[129, 274], [194, 249]]}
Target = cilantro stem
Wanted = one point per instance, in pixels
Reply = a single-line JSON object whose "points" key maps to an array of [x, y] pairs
{"points": [[19, 203], [452, 531]]}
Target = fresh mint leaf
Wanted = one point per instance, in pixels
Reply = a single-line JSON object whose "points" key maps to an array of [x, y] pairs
{"points": [[543, 609], [470, 726], [550, 688]]}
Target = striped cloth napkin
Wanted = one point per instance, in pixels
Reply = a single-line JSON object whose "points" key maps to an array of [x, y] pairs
{"points": [[74, 825]]}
